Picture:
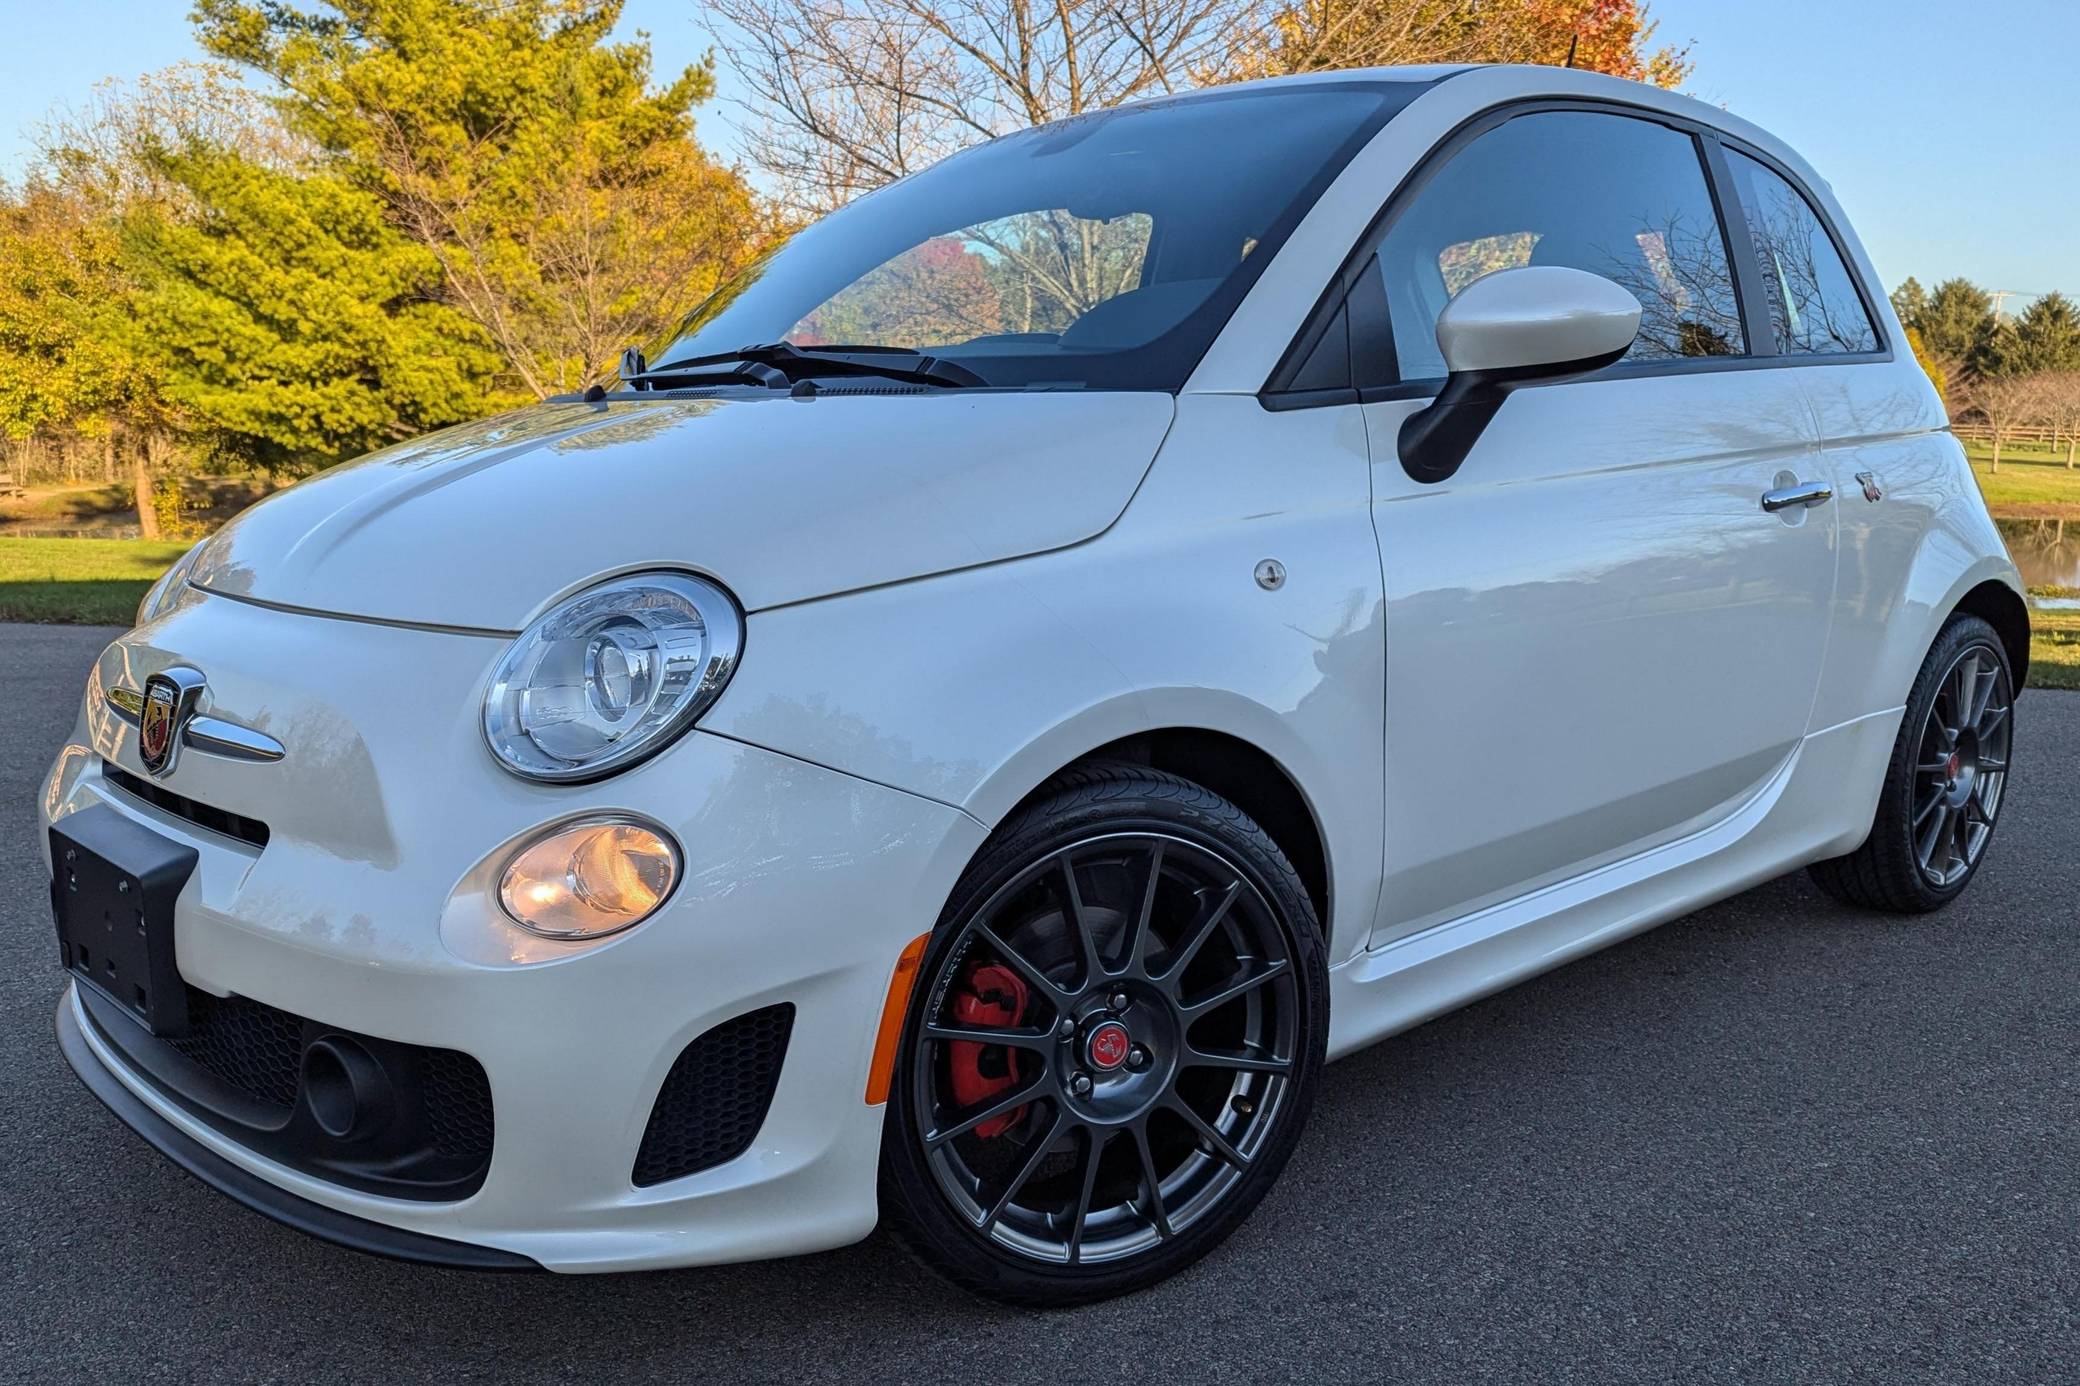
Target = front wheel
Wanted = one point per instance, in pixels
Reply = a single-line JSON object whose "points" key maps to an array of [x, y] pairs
{"points": [[1946, 782], [1112, 1045]]}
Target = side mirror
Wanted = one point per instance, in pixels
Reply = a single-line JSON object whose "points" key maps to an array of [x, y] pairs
{"points": [[1510, 328]]}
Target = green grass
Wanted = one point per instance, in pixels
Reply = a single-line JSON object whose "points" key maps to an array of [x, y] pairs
{"points": [[2054, 649], [2032, 484], [80, 581]]}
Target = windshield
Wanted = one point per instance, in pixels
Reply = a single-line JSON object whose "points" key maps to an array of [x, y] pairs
{"points": [[1102, 252]]}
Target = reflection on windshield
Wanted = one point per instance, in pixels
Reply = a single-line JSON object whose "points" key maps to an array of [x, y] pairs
{"points": [[1103, 251], [1029, 275]]}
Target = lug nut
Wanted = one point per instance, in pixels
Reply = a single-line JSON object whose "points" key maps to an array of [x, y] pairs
{"points": [[1080, 1085], [1137, 1058], [1067, 1029], [1118, 1000]]}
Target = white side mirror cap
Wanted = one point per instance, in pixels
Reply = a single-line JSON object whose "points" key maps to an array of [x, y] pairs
{"points": [[1540, 315]]}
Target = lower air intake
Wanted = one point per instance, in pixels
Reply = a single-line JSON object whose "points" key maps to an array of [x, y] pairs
{"points": [[715, 1098]]}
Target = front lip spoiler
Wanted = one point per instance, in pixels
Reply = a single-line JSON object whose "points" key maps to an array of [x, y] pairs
{"points": [[327, 1224]]}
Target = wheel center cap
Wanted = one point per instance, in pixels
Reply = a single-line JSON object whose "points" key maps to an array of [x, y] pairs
{"points": [[1955, 767], [1107, 1045]]}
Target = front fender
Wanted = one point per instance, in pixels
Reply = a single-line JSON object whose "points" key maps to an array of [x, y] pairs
{"points": [[975, 687]]}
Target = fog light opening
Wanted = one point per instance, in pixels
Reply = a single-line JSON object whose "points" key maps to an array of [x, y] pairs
{"points": [[589, 878]]}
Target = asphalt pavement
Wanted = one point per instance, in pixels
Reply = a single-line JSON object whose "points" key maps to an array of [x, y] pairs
{"points": [[1774, 1141]]}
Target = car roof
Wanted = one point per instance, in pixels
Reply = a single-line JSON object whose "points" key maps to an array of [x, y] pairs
{"points": [[1530, 81]]}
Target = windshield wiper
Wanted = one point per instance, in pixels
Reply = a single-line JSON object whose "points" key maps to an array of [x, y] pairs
{"points": [[798, 363]]}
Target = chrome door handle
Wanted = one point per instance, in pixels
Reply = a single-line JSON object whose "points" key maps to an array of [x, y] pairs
{"points": [[1805, 493]]}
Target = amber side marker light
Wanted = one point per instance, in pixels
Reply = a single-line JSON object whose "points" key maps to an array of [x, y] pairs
{"points": [[892, 1011]]}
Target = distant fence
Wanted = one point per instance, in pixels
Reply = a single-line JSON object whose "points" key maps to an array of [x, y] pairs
{"points": [[2043, 435], [48, 531]]}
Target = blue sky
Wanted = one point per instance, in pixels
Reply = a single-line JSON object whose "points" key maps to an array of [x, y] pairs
{"points": [[1943, 126]]}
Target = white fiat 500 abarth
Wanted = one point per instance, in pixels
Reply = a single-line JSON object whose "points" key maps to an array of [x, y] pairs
{"points": [[961, 732]]}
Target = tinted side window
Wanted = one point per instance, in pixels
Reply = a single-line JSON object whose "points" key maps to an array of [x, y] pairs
{"points": [[1813, 304], [1623, 198]]}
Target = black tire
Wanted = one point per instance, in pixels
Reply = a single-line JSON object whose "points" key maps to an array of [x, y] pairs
{"points": [[1891, 871], [1071, 855]]}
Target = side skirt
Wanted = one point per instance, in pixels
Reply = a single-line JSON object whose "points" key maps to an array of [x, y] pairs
{"points": [[1800, 816]]}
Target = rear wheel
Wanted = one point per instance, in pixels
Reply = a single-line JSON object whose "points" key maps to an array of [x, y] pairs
{"points": [[1112, 1045], [1945, 785]]}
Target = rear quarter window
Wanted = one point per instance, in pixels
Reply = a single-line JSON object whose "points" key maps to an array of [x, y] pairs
{"points": [[1814, 307]]}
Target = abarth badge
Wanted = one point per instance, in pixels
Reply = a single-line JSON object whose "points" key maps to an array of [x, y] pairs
{"points": [[170, 697], [1871, 490]]}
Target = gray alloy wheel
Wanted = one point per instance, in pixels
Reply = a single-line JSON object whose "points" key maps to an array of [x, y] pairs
{"points": [[1962, 765], [1946, 783], [1112, 1044]]}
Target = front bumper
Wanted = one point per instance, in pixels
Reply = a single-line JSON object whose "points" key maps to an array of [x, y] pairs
{"points": [[369, 909], [375, 1238]]}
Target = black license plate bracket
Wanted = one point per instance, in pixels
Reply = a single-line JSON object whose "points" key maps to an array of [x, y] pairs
{"points": [[113, 885]]}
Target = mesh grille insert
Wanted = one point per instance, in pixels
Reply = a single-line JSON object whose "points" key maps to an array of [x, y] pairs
{"points": [[458, 1104], [251, 1047], [715, 1098], [240, 1066]]}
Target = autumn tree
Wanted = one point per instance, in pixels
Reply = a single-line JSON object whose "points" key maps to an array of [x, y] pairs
{"points": [[858, 93], [2008, 402], [1613, 36], [2060, 408], [1930, 367], [68, 369], [561, 197], [80, 372]]}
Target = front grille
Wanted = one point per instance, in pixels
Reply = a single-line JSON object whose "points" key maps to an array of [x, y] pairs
{"points": [[240, 1066], [247, 830], [715, 1098]]}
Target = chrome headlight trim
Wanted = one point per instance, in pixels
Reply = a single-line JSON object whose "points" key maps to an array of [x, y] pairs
{"points": [[675, 639]]}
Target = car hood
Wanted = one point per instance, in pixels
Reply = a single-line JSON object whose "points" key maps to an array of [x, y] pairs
{"points": [[779, 499]]}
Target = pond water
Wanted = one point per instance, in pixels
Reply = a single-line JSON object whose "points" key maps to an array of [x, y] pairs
{"points": [[2047, 551]]}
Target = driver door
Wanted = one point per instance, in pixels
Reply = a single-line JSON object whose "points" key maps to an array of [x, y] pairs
{"points": [[1597, 640]]}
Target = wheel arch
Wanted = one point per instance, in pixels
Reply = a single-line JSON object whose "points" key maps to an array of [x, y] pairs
{"points": [[1997, 604], [1239, 771]]}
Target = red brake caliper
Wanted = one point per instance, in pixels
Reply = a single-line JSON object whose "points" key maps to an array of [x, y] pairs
{"points": [[993, 997]]}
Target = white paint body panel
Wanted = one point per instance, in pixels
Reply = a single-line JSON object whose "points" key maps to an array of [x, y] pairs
{"points": [[1583, 687], [483, 525], [1599, 606]]}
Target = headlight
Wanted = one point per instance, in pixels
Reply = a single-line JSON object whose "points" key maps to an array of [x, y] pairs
{"points": [[590, 878], [612, 675], [161, 594]]}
